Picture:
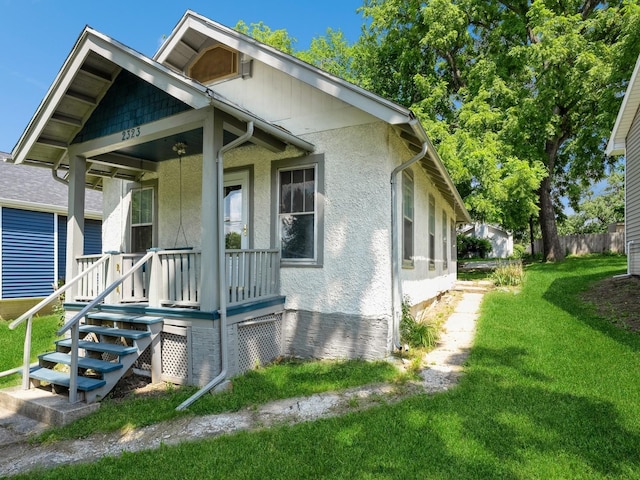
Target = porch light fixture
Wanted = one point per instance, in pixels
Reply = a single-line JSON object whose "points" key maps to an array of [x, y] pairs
{"points": [[180, 148]]}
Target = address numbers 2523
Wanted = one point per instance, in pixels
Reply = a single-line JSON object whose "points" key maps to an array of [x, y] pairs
{"points": [[130, 133]]}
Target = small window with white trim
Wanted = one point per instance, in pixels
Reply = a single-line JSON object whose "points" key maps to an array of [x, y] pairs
{"points": [[445, 246], [432, 232], [299, 222], [407, 219], [142, 214]]}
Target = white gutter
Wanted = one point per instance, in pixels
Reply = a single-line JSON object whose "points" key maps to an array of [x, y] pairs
{"points": [[221, 272], [396, 297]]}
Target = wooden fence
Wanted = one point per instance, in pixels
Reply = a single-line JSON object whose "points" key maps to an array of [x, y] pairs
{"points": [[588, 243]]}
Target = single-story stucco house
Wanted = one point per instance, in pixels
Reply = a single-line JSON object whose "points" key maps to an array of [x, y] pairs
{"points": [[625, 140], [33, 226], [253, 206]]}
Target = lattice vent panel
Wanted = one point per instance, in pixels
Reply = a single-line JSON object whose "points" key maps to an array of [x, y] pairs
{"points": [[144, 361], [175, 355], [259, 341]]}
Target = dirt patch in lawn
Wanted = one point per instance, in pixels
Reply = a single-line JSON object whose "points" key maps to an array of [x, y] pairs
{"points": [[618, 299]]}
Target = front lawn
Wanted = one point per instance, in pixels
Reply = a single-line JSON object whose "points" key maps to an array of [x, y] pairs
{"points": [[12, 344], [551, 390]]}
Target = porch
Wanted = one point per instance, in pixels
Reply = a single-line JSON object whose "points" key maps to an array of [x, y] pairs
{"points": [[172, 278]]}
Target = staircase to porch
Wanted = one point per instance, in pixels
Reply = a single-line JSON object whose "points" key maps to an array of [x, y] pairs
{"points": [[108, 346]]}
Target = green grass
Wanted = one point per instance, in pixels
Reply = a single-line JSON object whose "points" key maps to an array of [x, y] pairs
{"points": [[286, 379], [12, 344], [551, 391]]}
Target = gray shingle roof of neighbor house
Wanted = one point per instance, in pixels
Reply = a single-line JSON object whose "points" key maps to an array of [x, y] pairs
{"points": [[24, 185]]}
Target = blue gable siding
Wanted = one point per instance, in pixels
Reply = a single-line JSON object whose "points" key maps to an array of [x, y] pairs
{"points": [[92, 241], [27, 253], [129, 102]]}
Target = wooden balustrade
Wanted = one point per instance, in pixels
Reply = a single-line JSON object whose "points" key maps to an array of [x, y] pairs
{"points": [[250, 275], [93, 284]]}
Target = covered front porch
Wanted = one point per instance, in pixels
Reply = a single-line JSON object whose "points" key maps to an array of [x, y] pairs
{"points": [[179, 277]]}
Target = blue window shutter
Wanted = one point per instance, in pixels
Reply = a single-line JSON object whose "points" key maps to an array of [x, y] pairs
{"points": [[27, 253]]}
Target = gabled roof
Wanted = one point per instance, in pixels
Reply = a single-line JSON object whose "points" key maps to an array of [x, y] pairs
{"points": [[90, 70], [194, 33], [626, 114], [22, 186]]}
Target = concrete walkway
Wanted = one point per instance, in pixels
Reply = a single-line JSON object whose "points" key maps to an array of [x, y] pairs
{"points": [[444, 366]]}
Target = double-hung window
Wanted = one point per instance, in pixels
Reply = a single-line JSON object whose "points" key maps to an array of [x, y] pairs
{"points": [[298, 229], [142, 219], [445, 248], [432, 232], [407, 219]]}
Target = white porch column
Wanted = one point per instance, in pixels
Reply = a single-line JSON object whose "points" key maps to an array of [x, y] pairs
{"points": [[212, 142], [75, 218]]}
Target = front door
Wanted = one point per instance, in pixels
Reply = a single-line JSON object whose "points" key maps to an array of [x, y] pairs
{"points": [[236, 210]]}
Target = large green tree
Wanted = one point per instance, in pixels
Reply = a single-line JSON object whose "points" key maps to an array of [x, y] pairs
{"points": [[519, 96]]}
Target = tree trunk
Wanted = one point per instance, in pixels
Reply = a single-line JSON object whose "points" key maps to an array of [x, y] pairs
{"points": [[550, 241]]}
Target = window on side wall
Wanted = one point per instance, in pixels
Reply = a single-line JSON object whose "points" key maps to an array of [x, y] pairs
{"points": [[407, 219], [432, 233], [445, 247], [142, 214], [298, 228]]}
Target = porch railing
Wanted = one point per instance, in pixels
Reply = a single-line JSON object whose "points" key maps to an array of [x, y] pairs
{"points": [[180, 273], [135, 288], [252, 274], [175, 277], [94, 281]]}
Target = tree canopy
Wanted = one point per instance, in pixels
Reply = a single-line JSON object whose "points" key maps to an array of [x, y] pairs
{"points": [[519, 97]]}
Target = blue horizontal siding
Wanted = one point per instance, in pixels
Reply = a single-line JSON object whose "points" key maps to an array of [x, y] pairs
{"points": [[92, 241], [27, 253]]}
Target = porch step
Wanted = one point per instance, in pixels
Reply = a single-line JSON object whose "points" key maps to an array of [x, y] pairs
{"points": [[83, 362], [61, 378], [115, 332], [99, 347], [119, 317]]}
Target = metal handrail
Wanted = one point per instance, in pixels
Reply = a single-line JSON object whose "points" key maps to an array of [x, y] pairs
{"points": [[26, 354], [57, 293], [73, 325]]}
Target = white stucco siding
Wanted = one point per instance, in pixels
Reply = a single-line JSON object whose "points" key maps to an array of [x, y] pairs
{"points": [[355, 276], [419, 283], [115, 214], [290, 103], [632, 192], [180, 196]]}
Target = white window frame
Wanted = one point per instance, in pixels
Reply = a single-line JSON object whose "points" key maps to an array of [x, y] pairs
{"points": [[432, 232], [317, 163], [152, 224], [408, 215]]}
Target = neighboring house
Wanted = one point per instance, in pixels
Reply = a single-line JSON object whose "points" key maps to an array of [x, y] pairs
{"points": [[501, 240], [33, 209], [625, 140], [333, 199]]}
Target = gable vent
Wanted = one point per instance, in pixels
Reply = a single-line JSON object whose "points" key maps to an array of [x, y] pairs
{"points": [[215, 63]]}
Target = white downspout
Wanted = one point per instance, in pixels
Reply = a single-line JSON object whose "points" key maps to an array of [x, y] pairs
{"points": [[396, 299], [630, 244], [221, 271]]}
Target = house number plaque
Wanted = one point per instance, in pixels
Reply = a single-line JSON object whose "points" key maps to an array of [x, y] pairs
{"points": [[130, 133]]}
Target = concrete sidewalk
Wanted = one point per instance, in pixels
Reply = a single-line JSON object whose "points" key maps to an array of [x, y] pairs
{"points": [[444, 367]]}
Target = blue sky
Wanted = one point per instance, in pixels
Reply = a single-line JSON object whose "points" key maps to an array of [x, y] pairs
{"points": [[37, 35]]}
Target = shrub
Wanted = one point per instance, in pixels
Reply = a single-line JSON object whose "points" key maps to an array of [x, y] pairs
{"points": [[509, 274], [416, 334], [472, 246], [519, 251]]}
